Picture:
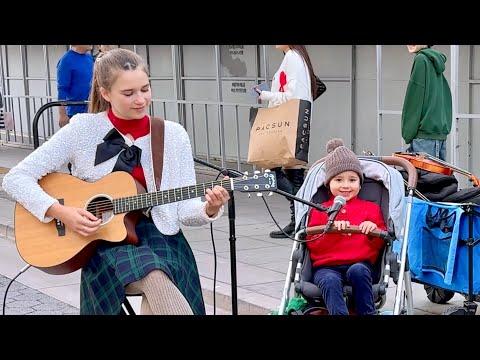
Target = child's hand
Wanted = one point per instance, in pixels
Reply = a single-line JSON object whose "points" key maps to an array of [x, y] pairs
{"points": [[367, 226], [341, 224]]}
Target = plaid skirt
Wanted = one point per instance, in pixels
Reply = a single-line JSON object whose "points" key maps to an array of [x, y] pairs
{"points": [[113, 267]]}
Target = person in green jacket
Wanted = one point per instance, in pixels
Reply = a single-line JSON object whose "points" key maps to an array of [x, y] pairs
{"points": [[427, 108]]}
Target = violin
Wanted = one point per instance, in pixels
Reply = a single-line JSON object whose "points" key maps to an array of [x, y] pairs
{"points": [[430, 163], [420, 161]]}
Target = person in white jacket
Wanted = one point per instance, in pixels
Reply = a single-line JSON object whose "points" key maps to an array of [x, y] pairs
{"points": [[294, 79]]}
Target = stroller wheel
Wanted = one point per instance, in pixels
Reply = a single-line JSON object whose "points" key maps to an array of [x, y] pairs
{"points": [[456, 310], [315, 311], [437, 295], [295, 312]]}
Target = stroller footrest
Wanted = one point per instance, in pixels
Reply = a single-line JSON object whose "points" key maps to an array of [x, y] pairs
{"points": [[312, 291]]}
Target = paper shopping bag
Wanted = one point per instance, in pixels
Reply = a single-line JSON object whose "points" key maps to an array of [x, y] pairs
{"points": [[279, 136]]}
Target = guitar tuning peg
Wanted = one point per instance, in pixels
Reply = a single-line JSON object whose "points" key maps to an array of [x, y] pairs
{"points": [[256, 172], [245, 173], [267, 171], [270, 193], [259, 194]]}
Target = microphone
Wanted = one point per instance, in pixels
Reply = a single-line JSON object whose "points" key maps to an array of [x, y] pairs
{"points": [[338, 203]]}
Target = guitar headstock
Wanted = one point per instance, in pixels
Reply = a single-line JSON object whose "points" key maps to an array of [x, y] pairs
{"points": [[258, 182]]}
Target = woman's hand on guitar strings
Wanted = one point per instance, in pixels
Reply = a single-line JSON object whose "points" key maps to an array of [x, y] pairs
{"points": [[215, 199], [76, 219]]}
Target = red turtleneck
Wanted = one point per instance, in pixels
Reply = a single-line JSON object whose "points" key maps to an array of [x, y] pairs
{"points": [[136, 128]]}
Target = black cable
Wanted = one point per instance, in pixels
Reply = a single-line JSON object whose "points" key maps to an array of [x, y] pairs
{"points": [[214, 270], [214, 263], [275, 221], [288, 236], [9, 284]]}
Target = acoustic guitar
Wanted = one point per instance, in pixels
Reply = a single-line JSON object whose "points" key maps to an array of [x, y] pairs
{"points": [[118, 200]]}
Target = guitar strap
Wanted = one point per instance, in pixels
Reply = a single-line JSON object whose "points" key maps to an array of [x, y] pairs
{"points": [[157, 140], [157, 129]]}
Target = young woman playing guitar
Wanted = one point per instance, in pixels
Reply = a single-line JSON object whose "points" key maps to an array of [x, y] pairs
{"points": [[116, 136]]}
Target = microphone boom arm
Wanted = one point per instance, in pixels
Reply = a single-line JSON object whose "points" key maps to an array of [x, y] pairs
{"points": [[294, 198], [224, 171]]}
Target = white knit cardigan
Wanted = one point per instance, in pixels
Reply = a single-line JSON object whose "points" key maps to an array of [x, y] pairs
{"points": [[77, 142]]}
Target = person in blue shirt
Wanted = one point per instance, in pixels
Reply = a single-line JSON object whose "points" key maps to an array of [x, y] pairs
{"points": [[74, 80]]}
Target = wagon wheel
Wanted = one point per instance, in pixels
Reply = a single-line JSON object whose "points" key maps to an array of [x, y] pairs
{"points": [[475, 297], [437, 295], [456, 310]]}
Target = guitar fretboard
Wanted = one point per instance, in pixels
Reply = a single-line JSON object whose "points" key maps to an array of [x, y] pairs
{"points": [[143, 201]]}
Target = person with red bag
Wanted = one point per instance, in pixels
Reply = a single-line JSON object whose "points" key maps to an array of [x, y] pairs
{"points": [[294, 79]]}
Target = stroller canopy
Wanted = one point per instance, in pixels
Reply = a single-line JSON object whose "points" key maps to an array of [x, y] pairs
{"points": [[373, 169]]}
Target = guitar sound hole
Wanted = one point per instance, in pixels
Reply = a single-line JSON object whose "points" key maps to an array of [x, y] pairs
{"points": [[102, 208]]}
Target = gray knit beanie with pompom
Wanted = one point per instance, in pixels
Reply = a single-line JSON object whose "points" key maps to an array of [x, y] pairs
{"points": [[340, 159]]}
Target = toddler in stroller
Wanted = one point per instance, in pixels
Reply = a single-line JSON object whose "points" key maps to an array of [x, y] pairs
{"points": [[366, 262], [339, 258]]}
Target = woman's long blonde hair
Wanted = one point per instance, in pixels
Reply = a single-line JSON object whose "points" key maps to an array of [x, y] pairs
{"points": [[106, 71]]}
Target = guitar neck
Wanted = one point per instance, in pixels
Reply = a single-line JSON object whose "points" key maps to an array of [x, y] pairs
{"points": [[146, 200]]}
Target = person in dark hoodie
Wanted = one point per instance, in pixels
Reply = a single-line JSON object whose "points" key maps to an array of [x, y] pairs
{"points": [[427, 108]]}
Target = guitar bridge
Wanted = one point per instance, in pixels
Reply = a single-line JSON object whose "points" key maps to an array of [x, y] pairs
{"points": [[58, 224]]}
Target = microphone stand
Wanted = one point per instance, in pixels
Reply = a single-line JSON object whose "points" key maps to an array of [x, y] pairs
{"points": [[231, 221]]}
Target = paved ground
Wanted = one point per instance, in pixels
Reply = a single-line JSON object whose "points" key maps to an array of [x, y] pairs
{"points": [[23, 300]]}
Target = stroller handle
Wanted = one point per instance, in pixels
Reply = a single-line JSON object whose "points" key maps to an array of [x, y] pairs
{"points": [[394, 161], [314, 230]]}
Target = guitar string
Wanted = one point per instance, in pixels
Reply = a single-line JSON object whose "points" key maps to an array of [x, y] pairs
{"points": [[108, 205], [140, 197]]}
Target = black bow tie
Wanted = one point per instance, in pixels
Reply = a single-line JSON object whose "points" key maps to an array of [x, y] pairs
{"points": [[114, 143]]}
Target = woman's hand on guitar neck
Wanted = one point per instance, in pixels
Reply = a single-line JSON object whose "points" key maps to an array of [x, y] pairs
{"points": [[215, 199], [76, 219]]}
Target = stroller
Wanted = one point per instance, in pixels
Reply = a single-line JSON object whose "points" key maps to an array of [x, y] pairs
{"points": [[383, 184]]}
